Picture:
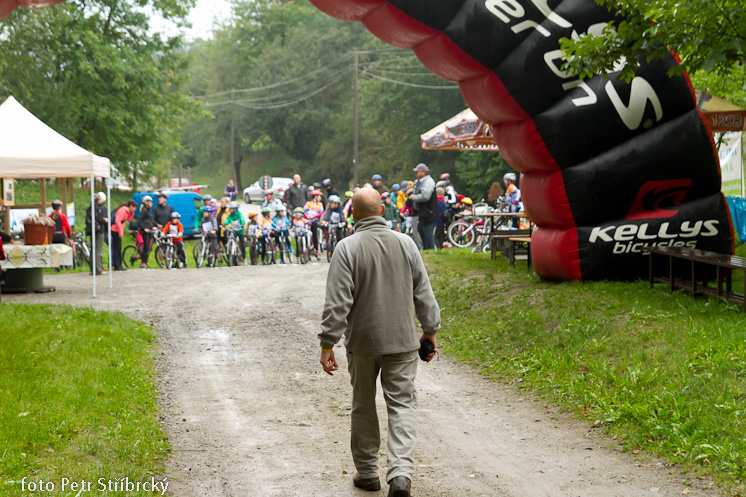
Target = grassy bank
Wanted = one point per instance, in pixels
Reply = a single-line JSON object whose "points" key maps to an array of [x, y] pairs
{"points": [[78, 399], [664, 373]]}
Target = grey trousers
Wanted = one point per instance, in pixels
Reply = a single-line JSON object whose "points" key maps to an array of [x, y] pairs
{"points": [[416, 232], [397, 380]]}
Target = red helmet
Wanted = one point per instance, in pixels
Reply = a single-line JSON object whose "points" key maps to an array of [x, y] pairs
{"points": [[445, 176], [269, 191]]}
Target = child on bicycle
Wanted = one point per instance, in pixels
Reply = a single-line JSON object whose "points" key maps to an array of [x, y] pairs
{"points": [[236, 222], [300, 229], [209, 226], [264, 230], [334, 215], [280, 229], [314, 209], [175, 230]]}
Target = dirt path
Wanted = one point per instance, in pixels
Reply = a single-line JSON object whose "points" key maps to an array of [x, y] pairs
{"points": [[249, 412]]}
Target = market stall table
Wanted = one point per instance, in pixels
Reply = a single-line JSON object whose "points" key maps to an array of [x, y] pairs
{"points": [[24, 265], [499, 238]]}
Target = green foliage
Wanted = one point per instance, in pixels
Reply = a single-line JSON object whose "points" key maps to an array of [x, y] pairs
{"points": [[93, 72], [79, 399], [269, 42], [707, 35], [663, 373]]}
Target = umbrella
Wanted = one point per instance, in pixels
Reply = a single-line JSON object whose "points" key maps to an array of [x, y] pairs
{"points": [[721, 116], [464, 131]]}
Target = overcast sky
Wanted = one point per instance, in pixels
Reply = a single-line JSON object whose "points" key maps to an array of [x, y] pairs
{"points": [[202, 17]]}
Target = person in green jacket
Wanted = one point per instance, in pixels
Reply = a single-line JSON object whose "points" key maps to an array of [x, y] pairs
{"points": [[236, 221], [198, 220], [390, 213]]}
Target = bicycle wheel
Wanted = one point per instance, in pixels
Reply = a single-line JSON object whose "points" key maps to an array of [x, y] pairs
{"points": [[287, 246], [130, 256], [231, 253], [160, 257], [168, 259], [211, 258], [330, 245], [254, 251], [84, 254], [199, 254], [271, 249], [300, 248], [460, 236]]}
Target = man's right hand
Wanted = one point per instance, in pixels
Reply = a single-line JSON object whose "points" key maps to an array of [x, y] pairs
{"points": [[434, 341]]}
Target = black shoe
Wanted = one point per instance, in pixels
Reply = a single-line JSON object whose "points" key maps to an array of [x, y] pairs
{"points": [[400, 487], [369, 484], [120, 269]]}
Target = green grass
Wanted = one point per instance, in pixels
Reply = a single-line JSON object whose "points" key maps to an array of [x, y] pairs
{"points": [[78, 398], [665, 374]]}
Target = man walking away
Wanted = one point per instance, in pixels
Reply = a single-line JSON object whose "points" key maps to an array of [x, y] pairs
{"points": [[425, 205], [377, 319]]}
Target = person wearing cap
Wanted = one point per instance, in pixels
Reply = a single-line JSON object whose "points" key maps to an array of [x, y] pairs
{"points": [[97, 211], [162, 212], [62, 230], [374, 306], [425, 205], [270, 201], [146, 224], [330, 190], [123, 214], [297, 194], [512, 196], [400, 194], [378, 184]]}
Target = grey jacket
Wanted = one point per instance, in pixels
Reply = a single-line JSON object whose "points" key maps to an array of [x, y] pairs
{"points": [[423, 189], [376, 283]]}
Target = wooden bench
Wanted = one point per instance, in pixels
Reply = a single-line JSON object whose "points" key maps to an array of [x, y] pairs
{"points": [[516, 243], [500, 240], [699, 262]]}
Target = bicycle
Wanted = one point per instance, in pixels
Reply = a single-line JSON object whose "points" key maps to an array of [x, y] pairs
{"points": [[232, 250], [331, 241], [284, 247], [302, 244], [132, 254], [81, 250], [203, 252]]}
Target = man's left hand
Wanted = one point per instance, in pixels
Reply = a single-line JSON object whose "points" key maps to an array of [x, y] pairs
{"points": [[328, 362]]}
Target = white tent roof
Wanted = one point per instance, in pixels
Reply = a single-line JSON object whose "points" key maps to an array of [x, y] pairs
{"points": [[31, 149]]}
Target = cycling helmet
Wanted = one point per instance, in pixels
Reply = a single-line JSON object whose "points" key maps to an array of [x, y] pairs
{"points": [[266, 210], [269, 191], [326, 182], [208, 208], [404, 185], [298, 210], [147, 198], [163, 194], [445, 176], [315, 193], [377, 177], [354, 190], [207, 197], [396, 187], [334, 198], [280, 208], [466, 200], [349, 193], [510, 176], [175, 215], [56, 203], [233, 205], [384, 195], [252, 215]]}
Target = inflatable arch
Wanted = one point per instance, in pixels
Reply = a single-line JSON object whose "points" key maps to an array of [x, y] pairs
{"points": [[607, 167]]}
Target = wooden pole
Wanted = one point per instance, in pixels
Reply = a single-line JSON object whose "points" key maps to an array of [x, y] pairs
{"points": [[43, 189], [355, 139], [63, 189], [158, 184]]}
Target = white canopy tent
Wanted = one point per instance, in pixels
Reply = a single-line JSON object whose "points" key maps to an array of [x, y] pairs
{"points": [[31, 149]]}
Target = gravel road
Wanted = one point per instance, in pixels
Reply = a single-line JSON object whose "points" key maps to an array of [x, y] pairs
{"points": [[249, 411]]}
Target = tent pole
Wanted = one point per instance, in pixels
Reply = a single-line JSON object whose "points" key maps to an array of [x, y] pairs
{"points": [[43, 191], [108, 209], [93, 236]]}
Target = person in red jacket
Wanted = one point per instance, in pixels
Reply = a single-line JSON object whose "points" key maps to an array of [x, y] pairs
{"points": [[62, 230], [123, 214], [175, 230]]}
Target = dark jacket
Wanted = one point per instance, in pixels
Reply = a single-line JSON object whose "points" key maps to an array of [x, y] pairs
{"points": [[101, 219], [296, 196], [145, 220], [162, 214], [425, 200], [381, 188]]}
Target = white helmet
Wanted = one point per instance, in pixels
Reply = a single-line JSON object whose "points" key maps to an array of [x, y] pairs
{"points": [[334, 198], [510, 176], [233, 205], [147, 198]]}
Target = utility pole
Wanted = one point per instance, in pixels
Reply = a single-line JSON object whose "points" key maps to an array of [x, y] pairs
{"points": [[233, 132], [355, 140]]}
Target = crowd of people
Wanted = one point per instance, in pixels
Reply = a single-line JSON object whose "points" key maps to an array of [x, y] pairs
{"points": [[421, 208]]}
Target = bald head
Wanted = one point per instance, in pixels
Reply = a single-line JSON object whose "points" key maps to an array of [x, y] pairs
{"points": [[365, 203]]}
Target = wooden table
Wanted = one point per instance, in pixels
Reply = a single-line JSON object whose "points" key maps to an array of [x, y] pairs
{"points": [[516, 242], [694, 259], [497, 236]]}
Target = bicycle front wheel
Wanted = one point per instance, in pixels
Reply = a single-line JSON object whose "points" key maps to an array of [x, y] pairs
{"points": [[169, 257], [199, 254], [130, 256], [232, 253], [254, 250], [160, 256]]}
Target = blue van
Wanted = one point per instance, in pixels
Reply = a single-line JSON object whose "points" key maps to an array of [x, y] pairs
{"points": [[185, 203]]}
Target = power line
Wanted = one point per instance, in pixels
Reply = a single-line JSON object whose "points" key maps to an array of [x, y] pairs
{"points": [[413, 85]]}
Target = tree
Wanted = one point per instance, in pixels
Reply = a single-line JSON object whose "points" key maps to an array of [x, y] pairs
{"points": [[93, 71]]}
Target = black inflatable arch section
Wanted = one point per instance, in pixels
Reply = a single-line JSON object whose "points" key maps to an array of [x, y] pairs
{"points": [[607, 167]]}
